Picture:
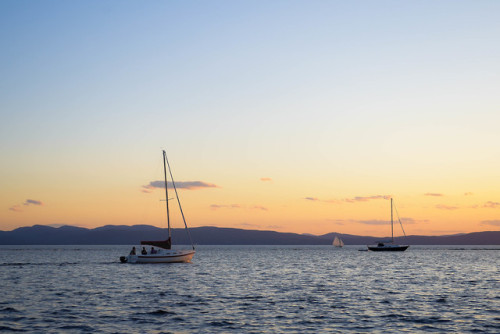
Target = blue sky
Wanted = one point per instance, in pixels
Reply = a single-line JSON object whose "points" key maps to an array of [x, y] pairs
{"points": [[348, 98]]}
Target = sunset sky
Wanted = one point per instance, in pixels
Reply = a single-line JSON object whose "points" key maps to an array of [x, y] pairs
{"points": [[293, 116]]}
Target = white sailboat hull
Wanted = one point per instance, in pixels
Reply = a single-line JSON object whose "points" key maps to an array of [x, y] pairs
{"points": [[162, 256]]}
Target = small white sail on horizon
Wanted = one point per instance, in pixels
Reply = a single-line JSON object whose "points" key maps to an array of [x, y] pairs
{"points": [[337, 242]]}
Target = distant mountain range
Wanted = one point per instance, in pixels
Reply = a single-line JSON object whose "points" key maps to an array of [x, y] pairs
{"points": [[125, 235]]}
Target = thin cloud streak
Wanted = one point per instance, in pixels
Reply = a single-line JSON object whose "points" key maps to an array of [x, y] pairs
{"points": [[368, 198], [274, 226], [32, 202], [237, 206], [256, 226], [342, 221], [490, 222], [189, 185], [434, 194], [16, 208], [374, 222], [446, 207], [28, 202], [491, 205], [266, 179], [404, 220], [249, 225], [350, 200], [225, 206], [408, 220]]}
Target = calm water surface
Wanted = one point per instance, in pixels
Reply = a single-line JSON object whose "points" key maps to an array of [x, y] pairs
{"points": [[246, 289]]}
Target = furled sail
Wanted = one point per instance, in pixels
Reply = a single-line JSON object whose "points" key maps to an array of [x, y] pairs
{"points": [[166, 244]]}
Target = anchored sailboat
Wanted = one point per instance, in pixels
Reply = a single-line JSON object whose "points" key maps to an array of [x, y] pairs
{"points": [[390, 247], [337, 242], [164, 253]]}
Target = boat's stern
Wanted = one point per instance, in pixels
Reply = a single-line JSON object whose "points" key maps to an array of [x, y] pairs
{"points": [[128, 259]]}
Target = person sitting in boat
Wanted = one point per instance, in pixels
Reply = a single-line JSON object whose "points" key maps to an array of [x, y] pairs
{"points": [[132, 252], [144, 251], [153, 251]]}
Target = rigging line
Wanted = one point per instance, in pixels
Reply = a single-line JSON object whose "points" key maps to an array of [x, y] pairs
{"points": [[178, 201], [166, 196], [401, 224]]}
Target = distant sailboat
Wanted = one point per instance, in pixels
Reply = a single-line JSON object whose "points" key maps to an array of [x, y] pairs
{"points": [[337, 242], [390, 247], [164, 253]]}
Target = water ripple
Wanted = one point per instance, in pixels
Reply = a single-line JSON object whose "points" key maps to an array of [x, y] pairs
{"points": [[276, 289]]}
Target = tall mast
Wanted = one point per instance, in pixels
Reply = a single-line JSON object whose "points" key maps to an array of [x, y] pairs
{"points": [[178, 200], [392, 225], [166, 190]]}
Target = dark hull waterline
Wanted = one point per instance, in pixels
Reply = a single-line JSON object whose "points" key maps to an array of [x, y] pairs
{"points": [[388, 249]]}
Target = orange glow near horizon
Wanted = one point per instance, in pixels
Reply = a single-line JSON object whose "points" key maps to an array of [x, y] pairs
{"points": [[274, 117], [423, 214]]}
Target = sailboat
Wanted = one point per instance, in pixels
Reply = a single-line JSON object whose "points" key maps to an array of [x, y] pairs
{"points": [[390, 247], [164, 252], [337, 242]]}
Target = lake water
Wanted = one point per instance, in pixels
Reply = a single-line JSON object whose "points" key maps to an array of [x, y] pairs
{"points": [[251, 289]]}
